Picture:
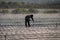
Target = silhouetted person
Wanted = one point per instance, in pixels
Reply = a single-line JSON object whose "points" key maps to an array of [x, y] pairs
{"points": [[27, 20]]}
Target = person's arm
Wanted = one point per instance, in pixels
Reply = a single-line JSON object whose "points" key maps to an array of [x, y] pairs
{"points": [[32, 19]]}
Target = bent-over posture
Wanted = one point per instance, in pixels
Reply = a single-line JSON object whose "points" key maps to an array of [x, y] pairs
{"points": [[27, 20]]}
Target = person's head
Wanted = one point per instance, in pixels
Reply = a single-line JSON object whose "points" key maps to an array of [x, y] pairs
{"points": [[31, 15]]}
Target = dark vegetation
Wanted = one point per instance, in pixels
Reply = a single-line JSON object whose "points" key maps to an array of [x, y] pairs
{"points": [[27, 5], [51, 11], [4, 11], [20, 10], [23, 10]]}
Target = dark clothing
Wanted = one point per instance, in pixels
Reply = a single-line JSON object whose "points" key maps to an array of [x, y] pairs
{"points": [[27, 23], [27, 20]]}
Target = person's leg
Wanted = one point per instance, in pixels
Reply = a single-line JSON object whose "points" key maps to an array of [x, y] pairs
{"points": [[28, 23]]}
